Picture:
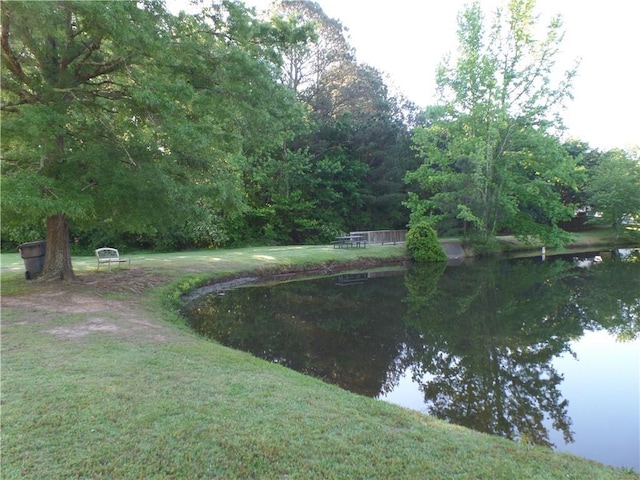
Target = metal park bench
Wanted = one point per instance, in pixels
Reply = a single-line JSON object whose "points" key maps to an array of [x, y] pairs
{"points": [[109, 256]]}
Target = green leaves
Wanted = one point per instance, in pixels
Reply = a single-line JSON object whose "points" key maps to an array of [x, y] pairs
{"points": [[614, 188], [422, 243], [29, 198], [490, 160], [124, 118]]}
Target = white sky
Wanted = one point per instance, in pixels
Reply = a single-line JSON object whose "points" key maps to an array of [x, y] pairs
{"points": [[407, 39]]}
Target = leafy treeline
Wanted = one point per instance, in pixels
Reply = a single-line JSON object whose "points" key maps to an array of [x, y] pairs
{"points": [[126, 125], [343, 168], [493, 161]]}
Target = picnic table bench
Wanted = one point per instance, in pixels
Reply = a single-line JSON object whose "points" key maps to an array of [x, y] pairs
{"points": [[347, 241], [110, 255]]}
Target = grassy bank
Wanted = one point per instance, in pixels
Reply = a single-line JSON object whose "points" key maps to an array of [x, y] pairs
{"points": [[598, 237], [100, 379]]}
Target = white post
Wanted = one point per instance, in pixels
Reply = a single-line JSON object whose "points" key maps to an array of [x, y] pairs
{"points": [[543, 253]]}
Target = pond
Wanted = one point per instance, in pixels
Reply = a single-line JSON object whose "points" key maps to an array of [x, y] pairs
{"points": [[543, 351]]}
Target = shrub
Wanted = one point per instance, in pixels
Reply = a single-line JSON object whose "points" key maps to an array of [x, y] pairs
{"points": [[423, 244]]}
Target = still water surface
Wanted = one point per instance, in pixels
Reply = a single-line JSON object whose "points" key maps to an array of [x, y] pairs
{"points": [[536, 351]]}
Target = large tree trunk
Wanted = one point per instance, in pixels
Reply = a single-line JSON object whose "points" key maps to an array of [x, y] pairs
{"points": [[57, 263]]}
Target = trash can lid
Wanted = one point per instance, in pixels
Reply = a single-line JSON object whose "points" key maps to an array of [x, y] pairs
{"points": [[32, 249], [31, 244]]}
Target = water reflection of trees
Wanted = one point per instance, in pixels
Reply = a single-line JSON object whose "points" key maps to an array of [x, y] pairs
{"points": [[483, 337], [344, 335], [479, 340], [609, 295], [483, 351]]}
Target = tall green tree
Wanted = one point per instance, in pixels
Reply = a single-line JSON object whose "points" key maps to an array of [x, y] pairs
{"points": [[586, 159], [304, 63], [614, 188], [344, 168], [119, 115], [491, 158], [61, 72]]}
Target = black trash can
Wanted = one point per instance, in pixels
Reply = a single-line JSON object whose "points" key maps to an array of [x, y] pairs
{"points": [[33, 255]]}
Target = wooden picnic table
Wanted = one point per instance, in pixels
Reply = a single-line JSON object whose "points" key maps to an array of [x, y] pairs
{"points": [[346, 241]]}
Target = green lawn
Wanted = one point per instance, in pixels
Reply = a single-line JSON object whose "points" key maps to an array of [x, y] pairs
{"points": [[101, 379]]}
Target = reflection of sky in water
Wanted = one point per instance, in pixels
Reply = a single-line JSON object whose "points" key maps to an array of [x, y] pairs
{"points": [[602, 386], [406, 394], [603, 389]]}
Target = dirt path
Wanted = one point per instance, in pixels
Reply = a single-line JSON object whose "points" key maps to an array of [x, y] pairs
{"points": [[107, 303]]}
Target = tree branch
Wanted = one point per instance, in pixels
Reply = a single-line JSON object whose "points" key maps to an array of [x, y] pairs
{"points": [[7, 51], [103, 69]]}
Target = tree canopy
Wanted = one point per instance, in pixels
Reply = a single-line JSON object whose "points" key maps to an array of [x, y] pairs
{"points": [[614, 189], [120, 114], [491, 159], [124, 124]]}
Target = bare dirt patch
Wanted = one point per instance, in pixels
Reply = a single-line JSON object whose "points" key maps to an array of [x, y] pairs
{"points": [[100, 303]]}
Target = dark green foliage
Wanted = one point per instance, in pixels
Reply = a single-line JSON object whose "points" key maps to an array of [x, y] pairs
{"points": [[350, 159], [127, 120], [423, 244], [614, 189]]}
